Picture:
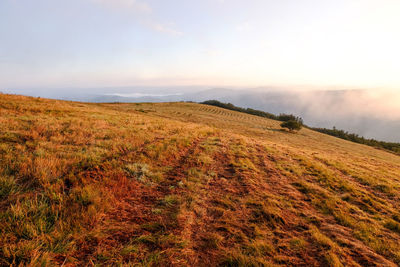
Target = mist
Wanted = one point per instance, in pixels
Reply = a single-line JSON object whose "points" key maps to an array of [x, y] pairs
{"points": [[369, 113]]}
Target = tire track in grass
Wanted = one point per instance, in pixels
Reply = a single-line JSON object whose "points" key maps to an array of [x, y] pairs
{"points": [[170, 186], [141, 216], [353, 250]]}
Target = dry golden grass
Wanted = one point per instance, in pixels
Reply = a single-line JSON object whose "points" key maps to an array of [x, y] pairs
{"points": [[187, 184]]}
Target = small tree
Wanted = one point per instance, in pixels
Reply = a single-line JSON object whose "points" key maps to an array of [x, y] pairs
{"points": [[292, 125], [290, 117]]}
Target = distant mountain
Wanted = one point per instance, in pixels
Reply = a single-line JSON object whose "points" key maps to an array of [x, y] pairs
{"points": [[355, 111], [351, 110]]}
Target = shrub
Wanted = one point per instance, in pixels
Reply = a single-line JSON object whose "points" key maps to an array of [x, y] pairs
{"points": [[395, 147], [290, 117], [292, 125]]}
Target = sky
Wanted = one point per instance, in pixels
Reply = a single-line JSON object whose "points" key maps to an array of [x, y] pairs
{"points": [[89, 43]]}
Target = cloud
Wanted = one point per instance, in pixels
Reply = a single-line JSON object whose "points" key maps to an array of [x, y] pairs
{"points": [[133, 5], [163, 28], [143, 13], [244, 27], [211, 52]]}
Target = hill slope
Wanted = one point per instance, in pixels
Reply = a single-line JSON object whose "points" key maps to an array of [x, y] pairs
{"points": [[187, 184]]}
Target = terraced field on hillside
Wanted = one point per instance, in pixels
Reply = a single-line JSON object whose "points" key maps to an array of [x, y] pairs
{"points": [[187, 184]]}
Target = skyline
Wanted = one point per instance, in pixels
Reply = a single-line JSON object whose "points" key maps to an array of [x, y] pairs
{"points": [[107, 43]]}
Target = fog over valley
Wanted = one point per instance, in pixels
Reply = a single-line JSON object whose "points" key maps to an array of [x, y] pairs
{"points": [[368, 113]]}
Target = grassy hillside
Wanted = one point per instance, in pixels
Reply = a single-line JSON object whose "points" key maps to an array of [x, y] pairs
{"points": [[187, 184]]}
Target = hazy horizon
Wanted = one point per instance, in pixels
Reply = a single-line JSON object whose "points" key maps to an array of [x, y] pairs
{"points": [[154, 50], [364, 112]]}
